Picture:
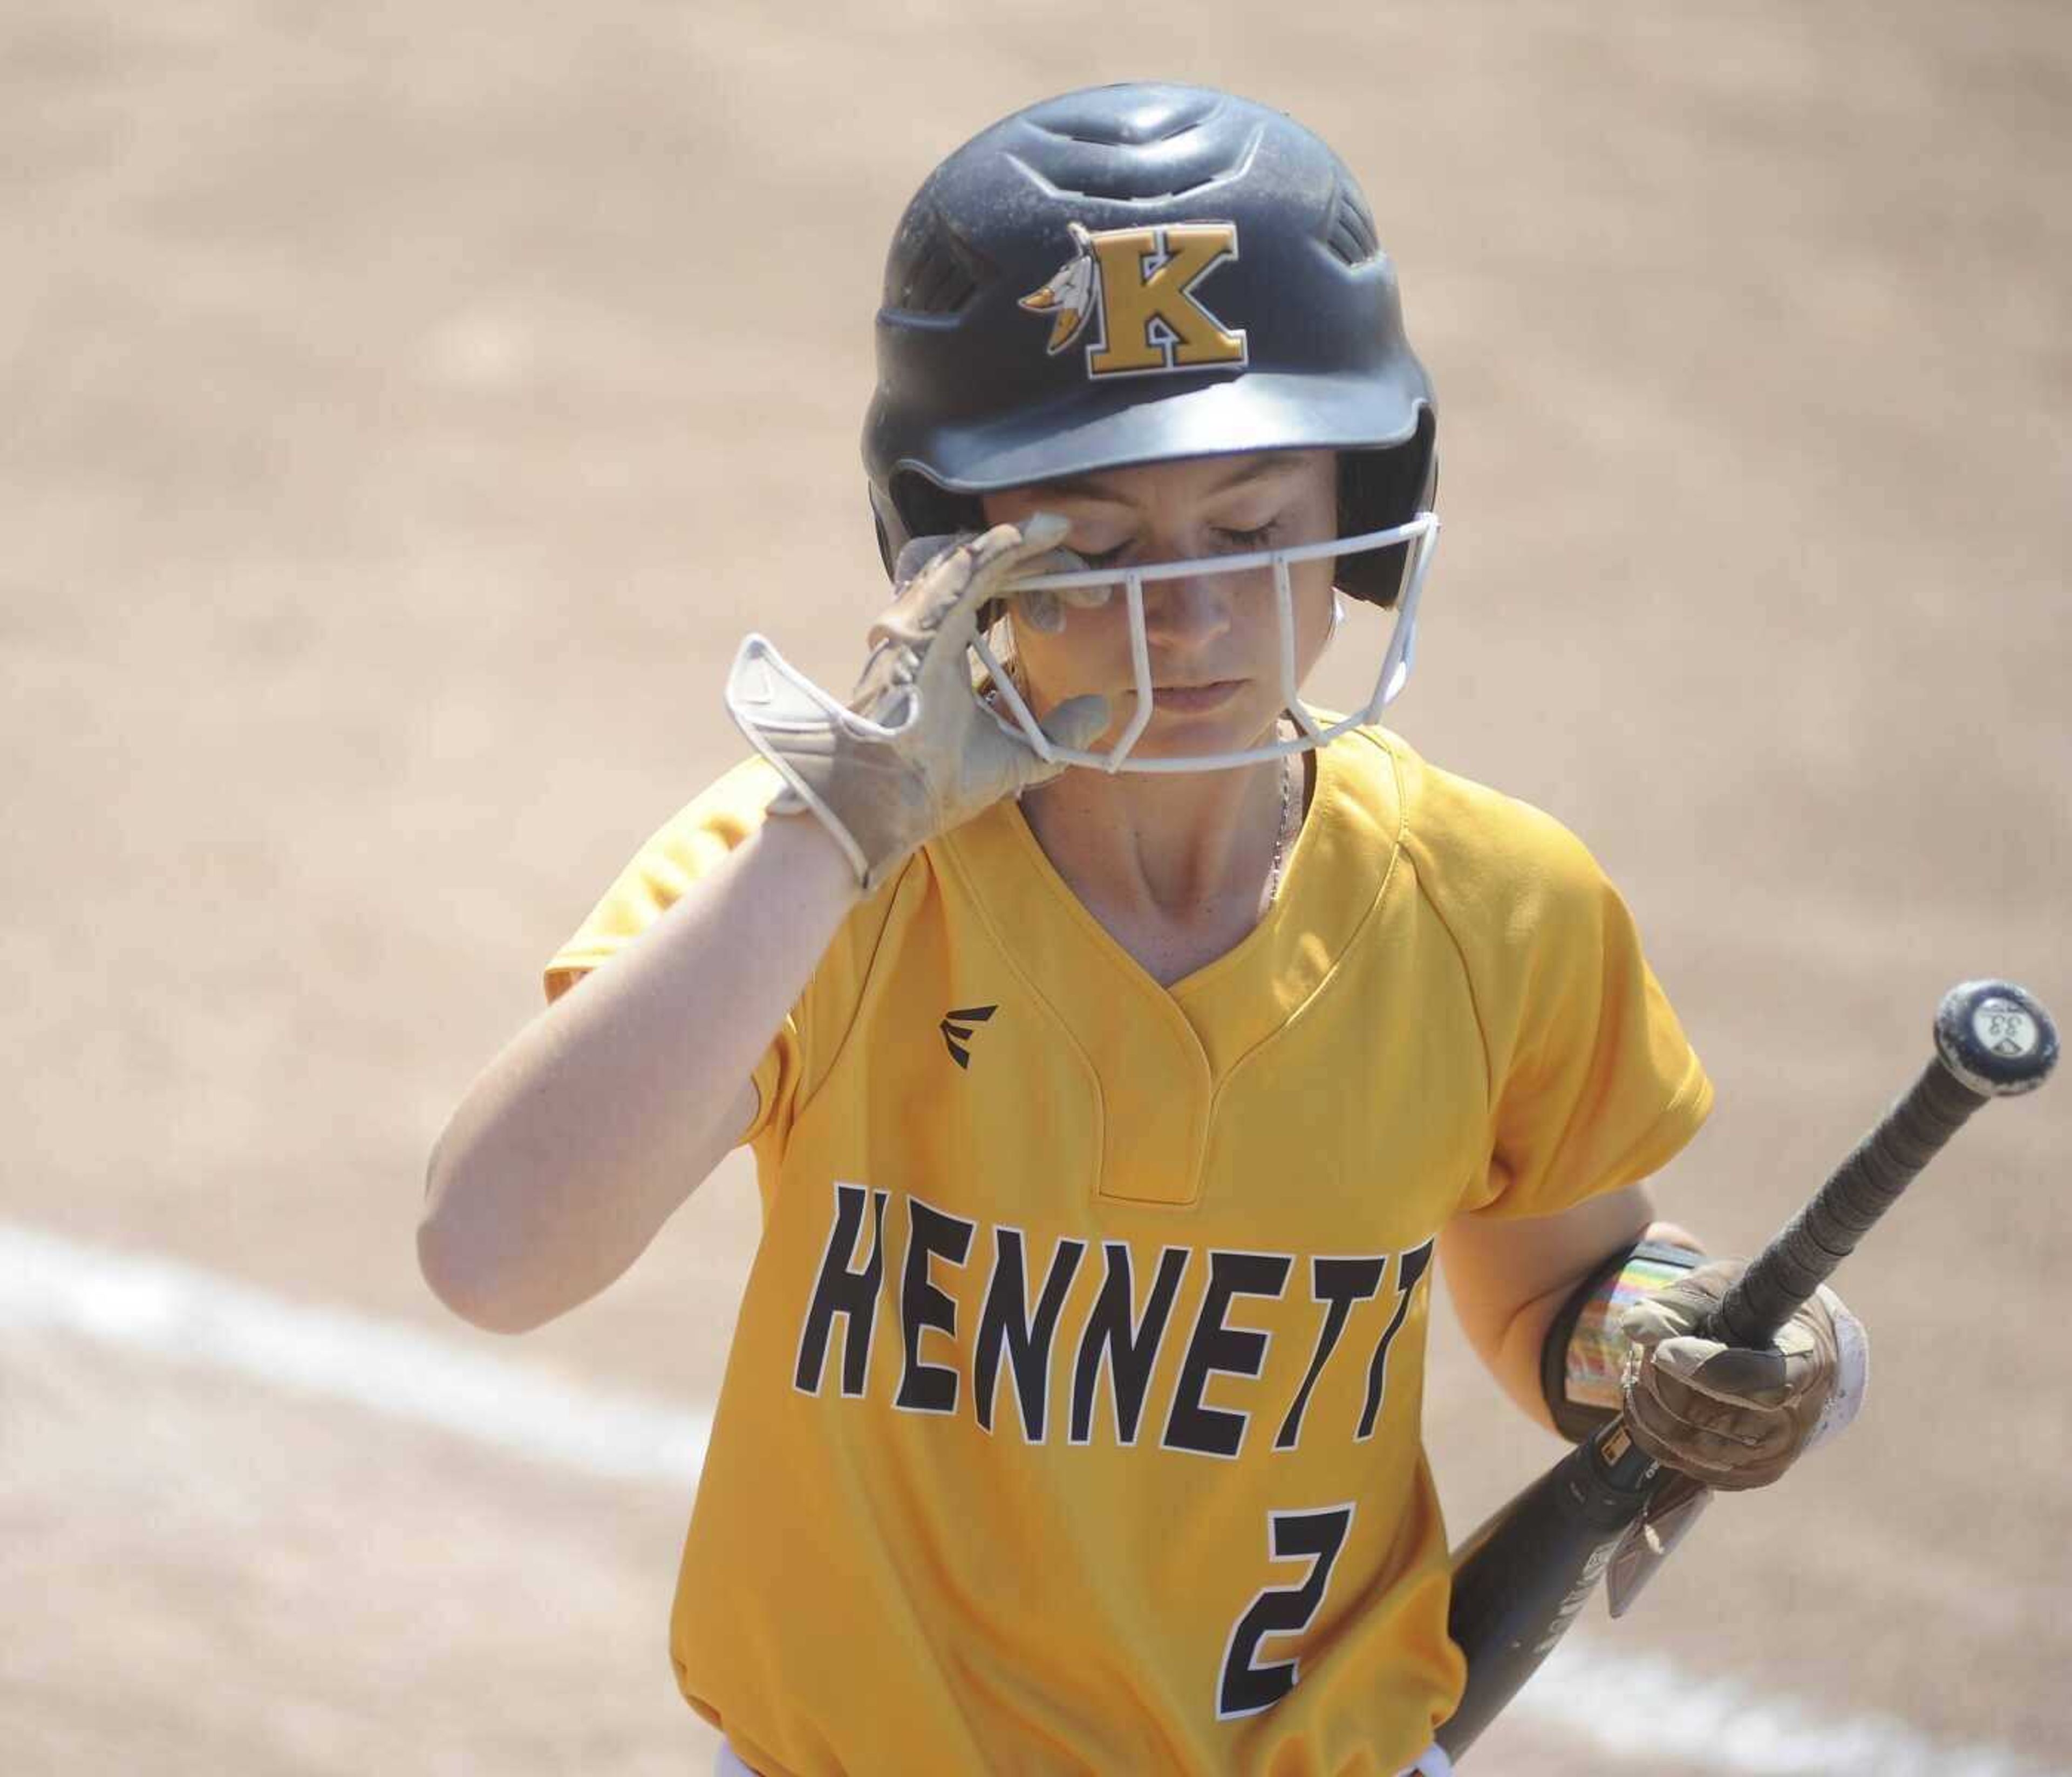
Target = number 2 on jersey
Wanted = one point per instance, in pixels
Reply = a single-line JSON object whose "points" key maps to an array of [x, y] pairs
{"points": [[1317, 1538]]}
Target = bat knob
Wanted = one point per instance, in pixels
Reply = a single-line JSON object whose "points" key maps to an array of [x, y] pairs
{"points": [[1995, 1037]]}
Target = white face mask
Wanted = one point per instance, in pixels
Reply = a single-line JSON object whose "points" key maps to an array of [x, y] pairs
{"points": [[1422, 533]]}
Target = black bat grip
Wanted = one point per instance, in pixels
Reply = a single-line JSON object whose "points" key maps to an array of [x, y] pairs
{"points": [[1804, 1254], [1993, 1039]]}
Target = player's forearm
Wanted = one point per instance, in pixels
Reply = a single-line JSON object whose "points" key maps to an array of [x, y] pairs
{"points": [[582, 1138], [1516, 1360]]}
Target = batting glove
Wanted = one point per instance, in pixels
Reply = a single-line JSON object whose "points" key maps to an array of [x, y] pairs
{"points": [[914, 753], [1732, 1417]]}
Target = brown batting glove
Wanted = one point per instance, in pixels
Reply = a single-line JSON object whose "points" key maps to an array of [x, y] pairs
{"points": [[913, 752], [1732, 1417]]}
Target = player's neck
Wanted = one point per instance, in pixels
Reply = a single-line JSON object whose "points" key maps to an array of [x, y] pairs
{"points": [[1176, 867]]}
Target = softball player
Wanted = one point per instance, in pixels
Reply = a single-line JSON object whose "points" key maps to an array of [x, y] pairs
{"points": [[1120, 1039]]}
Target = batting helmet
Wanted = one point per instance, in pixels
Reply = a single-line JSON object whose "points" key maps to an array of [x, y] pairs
{"points": [[1131, 274]]}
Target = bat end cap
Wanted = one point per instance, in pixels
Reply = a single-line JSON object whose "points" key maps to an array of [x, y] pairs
{"points": [[1995, 1037]]}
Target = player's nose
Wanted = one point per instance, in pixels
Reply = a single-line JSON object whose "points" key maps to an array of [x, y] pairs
{"points": [[1186, 612]]}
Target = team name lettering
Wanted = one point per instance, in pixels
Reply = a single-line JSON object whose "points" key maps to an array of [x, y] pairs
{"points": [[985, 1317], [845, 1292], [1408, 1271], [1123, 1349], [1007, 1329], [1219, 1349], [925, 1387], [1335, 1284]]}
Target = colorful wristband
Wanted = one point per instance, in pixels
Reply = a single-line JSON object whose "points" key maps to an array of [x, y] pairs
{"points": [[1580, 1363]]}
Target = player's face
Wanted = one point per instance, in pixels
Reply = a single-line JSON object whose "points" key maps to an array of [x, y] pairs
{"points": [[1214, 638]]}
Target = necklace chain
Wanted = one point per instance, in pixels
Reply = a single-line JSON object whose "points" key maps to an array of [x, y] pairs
{"points": [[1279, 833]]}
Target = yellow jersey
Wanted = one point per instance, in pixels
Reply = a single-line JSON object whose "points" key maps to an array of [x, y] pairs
{"points": [[1071, 1423]]}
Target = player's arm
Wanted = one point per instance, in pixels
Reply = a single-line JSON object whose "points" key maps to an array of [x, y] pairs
{"points": [[603, 1115], [1510, 1278]]}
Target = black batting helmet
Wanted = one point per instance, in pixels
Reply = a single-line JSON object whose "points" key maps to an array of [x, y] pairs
{"points": [[1133, 274]]}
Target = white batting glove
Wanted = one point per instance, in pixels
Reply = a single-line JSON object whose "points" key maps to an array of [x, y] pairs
{"points": [[912, 753]]}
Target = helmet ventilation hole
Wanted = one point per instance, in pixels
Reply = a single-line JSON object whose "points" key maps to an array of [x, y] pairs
{"points": [[1135, 144], [937, 272], [1350, 234]]}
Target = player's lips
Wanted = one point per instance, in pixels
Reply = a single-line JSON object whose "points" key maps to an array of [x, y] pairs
{"points": [[1192, 698]]}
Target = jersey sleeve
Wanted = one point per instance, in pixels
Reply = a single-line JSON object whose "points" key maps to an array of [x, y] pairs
{"points": [[1593, 1085], [696, 841]]}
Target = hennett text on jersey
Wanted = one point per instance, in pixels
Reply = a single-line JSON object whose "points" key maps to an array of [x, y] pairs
{"points": [[1103, 1384]]}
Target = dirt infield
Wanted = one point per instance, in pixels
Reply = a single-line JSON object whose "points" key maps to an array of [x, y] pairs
{"points": [[408, 407]]}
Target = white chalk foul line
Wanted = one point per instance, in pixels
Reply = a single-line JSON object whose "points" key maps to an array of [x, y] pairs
{"points": [[181, 1314], [1645, 1710], [1635, 1708]]}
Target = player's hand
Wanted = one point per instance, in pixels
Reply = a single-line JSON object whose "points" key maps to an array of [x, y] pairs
{"points": [[912, 753], [1731, 1417]]}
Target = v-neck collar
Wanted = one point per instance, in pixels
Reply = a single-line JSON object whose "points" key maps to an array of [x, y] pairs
{"points": [[1332, 880]]}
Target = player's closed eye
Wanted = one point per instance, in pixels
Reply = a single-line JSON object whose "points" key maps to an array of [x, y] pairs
{"points": [[1259, 538], [1233, 542]]}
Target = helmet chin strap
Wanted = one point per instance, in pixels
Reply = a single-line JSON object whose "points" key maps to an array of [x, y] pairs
{"points": [[1422, 533]]}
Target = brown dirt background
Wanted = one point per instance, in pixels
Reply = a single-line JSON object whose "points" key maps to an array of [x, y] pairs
{"points": [[406, 407]]}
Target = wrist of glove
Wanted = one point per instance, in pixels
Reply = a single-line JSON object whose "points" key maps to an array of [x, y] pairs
{"points": [[1731, 1417], [913, 752]]}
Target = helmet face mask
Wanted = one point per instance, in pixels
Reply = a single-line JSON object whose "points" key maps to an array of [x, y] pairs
{"points": [[1011, 710], [1137, 274]]}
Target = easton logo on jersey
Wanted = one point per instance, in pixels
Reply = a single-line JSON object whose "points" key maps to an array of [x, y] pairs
{"points": [[1132, 291], [956, 1029]]}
